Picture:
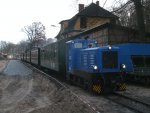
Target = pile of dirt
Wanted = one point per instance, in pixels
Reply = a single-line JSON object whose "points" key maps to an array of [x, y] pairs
{"points": [[37, 94]]}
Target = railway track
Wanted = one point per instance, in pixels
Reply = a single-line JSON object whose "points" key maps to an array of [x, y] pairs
{"points": [[137, 105]]}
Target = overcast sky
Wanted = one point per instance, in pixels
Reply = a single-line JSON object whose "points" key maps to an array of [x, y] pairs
{"points": [[15, 14]]}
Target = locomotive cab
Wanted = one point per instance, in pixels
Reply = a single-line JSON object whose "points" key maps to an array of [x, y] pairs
{"points": [[73, 51]]}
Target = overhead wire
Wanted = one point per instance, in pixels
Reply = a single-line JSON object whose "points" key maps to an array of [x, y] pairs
{"points": [[104, 3]]}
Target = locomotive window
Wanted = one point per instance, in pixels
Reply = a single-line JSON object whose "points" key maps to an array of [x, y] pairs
{"points": [[141, 61], [110, 59], [138, 61], [148, 61], [78, 45], [83, 22]]}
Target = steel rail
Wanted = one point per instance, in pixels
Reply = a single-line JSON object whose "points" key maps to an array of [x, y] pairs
{"points": [[130, 103], [134, 99]]}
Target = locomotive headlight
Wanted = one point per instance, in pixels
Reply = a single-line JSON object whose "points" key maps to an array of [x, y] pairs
{"points": [[94, 67], [123, 66], [109, 47]]}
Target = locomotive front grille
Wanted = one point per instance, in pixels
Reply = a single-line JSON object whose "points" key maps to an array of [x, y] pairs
{"points": [[110, 59]]}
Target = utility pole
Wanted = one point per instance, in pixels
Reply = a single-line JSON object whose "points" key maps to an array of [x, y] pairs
{"points": [[140, 18]]}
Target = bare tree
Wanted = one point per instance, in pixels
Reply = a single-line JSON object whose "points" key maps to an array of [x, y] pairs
{"points": [[22, 46], [7, 47], [126, 14], [35, 33], [135, 14], [146, 4], [3, 45], [140, 17]]}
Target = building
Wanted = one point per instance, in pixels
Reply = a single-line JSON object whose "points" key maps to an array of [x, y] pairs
{"points": [[94, 22], [87, 18]]}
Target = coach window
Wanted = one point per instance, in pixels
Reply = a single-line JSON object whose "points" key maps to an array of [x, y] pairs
{"points": [[138, 61], [83, 22], [78, 45]]}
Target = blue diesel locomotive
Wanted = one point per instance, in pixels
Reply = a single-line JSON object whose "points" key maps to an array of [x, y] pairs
{"points": [[83, 63], [97, 68]]}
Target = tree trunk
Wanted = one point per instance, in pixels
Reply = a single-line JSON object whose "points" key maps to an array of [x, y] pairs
{"points": [[140, 18]]}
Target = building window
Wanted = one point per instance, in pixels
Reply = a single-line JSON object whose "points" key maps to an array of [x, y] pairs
{"points": [[83, 22]]}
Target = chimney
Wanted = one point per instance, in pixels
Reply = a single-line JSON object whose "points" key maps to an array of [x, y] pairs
{"points": [[97, 3], [81, 7]]}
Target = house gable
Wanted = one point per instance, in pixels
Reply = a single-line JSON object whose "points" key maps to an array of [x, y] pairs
{"points": [[87, 18]]}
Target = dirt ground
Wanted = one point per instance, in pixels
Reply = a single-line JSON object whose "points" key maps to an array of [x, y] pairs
{"points": [[2, 64], [36, 94]]}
